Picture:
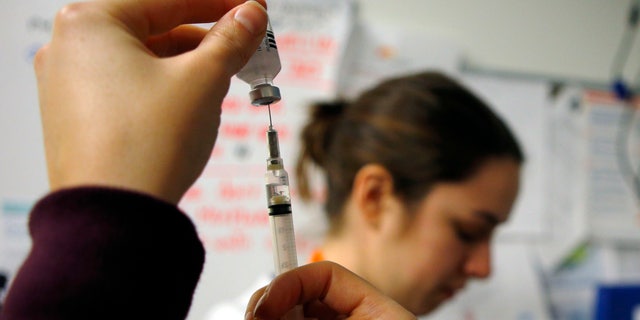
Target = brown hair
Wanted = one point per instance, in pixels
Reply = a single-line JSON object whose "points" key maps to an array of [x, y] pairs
{"points": [[424, 128]]}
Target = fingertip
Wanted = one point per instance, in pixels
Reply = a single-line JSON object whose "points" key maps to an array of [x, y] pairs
{"points": [[252, 16], [230, 43], [263, 3], [254, 303], [39, 62], [38, 58]]}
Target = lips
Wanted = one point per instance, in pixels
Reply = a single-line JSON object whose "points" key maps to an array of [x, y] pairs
{"points": [[450, 291]]}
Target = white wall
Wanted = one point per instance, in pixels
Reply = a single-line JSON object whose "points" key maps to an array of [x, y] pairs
{"points": [[561, 38]]}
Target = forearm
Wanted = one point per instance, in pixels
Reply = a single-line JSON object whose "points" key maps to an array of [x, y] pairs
{"points": [[98, 251]]}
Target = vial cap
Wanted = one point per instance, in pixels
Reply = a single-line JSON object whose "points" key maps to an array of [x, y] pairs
{"points": [[264, 94]]}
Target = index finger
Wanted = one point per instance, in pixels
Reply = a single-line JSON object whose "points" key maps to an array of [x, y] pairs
{"points": [[333, 285], [149, 17]]}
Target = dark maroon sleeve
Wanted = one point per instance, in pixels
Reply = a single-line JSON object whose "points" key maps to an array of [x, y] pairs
{"points": [[101, 253]]}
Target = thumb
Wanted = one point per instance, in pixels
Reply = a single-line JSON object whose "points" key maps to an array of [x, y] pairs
{"points": [[234, 38]]}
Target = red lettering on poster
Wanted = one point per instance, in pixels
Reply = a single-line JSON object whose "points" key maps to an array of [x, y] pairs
{"points": [[326, 44], [234, 130], [240, 217], [231, 104], [230, 191], [237, 241], [305, 70], [217, 152], [292, 44], [193, 194], [283, 133], [287, 42]]}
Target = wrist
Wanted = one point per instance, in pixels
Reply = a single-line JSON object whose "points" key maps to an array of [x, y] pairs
{"points": [[122, 182]]}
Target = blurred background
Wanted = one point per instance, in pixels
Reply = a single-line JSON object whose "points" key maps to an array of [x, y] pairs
{"points": [[561, 73]]}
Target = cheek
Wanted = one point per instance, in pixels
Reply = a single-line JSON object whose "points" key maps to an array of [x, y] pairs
{"points": [[431, 260], [437, 253]]}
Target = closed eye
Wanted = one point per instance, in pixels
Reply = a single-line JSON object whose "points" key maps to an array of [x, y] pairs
{"points": [[470, 234]]}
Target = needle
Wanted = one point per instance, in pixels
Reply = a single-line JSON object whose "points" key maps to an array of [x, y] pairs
{"points": [[270, 124]]}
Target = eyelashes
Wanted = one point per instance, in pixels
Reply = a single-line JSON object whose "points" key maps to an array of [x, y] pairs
{"points": [[472, 234], [465, 236]]}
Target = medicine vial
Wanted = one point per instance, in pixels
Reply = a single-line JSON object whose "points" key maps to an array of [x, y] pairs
{"points": [[260, 71]]}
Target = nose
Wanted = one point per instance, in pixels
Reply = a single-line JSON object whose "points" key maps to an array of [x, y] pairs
{"points": [[478, 264]]}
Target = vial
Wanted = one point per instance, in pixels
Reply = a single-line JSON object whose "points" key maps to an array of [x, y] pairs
{"points": [[259, 72]]}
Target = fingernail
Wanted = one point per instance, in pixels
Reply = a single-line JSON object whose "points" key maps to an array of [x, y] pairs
{"points": [[252, 16]]}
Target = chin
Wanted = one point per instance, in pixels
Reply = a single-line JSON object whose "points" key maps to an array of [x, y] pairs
{"points": [[423, 309], [427, 307]]}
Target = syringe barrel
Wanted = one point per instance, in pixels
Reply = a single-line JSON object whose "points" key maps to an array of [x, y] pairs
{"points": [[285, 257]]}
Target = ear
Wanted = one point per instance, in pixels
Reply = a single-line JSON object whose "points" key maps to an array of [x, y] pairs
{"points": [[372, 186]]}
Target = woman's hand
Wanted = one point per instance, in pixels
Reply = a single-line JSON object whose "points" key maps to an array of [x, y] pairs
{"points": [[328, 291], [130, 96]]}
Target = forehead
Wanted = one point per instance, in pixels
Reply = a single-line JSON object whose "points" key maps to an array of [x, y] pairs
{"points": [[492, 189]]}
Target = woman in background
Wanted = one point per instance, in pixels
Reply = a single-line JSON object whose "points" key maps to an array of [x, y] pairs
{"points": [[418, 174]]}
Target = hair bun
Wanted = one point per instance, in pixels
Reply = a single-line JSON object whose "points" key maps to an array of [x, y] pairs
{"points": [[318, 132], [316, 138]]}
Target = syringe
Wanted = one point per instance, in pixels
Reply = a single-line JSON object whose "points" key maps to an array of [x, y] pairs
{"points": [[279, 203]]}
